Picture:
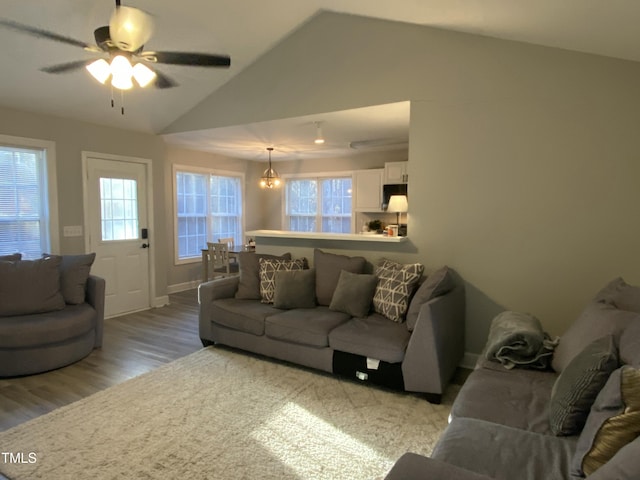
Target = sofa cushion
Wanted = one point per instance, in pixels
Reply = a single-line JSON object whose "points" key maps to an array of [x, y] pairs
{"points": [[629, 344], [243, 315], [268, 269], [596, 320], [489, 389], [249, 267], [295, 289], [504, 453], [26, 331], [373, 337], [14, 257], [621, 294], [396, 284], [30, 286], [578, 385], [304, 326], [354, 293], [328, 268], [614, 421], [74, 272], [438, 283]]}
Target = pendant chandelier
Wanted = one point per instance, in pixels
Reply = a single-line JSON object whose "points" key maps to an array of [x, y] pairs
{"points": [[270, 178]]}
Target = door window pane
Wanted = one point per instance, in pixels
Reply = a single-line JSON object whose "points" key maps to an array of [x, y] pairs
{"points": [[119, 207]]}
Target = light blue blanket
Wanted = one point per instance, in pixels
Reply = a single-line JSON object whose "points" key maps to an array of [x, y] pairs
{"points": [[517, 340]]}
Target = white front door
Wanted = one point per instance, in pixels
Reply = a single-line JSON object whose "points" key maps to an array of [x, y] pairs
{"points": [[118, 232]]}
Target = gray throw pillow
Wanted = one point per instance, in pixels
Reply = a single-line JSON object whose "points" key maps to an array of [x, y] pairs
{"points": [[268, 269], [619, 293], [30, 286], [14, 257], [578, 386], [328, 268], [438, 283], [249, 267], [354, 293], [396, 284], [295, 289], [74, 273], [595, 321], [614, 421]]}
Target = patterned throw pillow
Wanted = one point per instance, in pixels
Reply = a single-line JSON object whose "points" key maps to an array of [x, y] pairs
{"points": [[614, 422], [396, 283], [268, 269]]}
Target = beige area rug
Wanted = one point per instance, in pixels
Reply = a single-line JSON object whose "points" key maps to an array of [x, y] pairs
{"points": [[217, 414]]}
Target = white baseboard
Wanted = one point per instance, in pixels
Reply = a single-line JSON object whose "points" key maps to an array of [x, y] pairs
{"points": [[181, 287], [469, 360], [161, 301]]}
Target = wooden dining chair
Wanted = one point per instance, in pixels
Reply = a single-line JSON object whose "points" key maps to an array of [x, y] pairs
{"points": [[218, 260], [230, 242]]}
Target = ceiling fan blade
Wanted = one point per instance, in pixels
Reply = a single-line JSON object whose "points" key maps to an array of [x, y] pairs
{"points": [[187, 59], [66, 67], [40, 33], [162, 81]]}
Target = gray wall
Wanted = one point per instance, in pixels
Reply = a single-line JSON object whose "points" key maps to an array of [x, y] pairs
{"points": [[526, 156]]}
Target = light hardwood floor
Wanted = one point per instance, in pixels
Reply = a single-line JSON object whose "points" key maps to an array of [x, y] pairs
{"points": [[133, 344]]}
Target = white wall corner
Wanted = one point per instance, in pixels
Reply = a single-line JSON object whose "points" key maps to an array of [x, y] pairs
{"points": [[469, 360], [161, 301]]}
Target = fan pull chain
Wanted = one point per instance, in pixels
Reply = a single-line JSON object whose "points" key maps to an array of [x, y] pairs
{"points": [[122, 102], [112, 102]]}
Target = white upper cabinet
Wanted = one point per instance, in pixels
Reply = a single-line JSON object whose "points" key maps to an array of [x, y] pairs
{"points": [[368, 190], [396, 172]]}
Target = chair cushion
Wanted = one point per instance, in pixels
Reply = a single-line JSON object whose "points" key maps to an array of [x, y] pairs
{"points": [[396, 284], [295, 289], [243, 315], [304, 326], [249, 267], [30, 286], [578, 386], [328, 268], [373, 337], [354, 293], [26, 331]]}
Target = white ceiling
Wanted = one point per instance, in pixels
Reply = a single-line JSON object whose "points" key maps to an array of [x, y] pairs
{"points": [[245, 29]]}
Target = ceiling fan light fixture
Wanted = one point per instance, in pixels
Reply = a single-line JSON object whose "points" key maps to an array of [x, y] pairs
{"points": [[130, 28], [143, 74], [121, 72], [100, 70]]}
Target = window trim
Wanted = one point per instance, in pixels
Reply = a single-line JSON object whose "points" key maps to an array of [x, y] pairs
{"points": [[49, 148], [206, 171], [316, 176]]}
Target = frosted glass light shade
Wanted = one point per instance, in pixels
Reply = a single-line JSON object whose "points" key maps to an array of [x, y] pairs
{"points": [[130, 28], [100, 70], [143, 74], [121, 71]]}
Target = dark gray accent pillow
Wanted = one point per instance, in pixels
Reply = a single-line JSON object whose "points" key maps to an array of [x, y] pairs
{"points": [[14, 257], [614, 422], [74, 273], [595, 321], [268, 269], [396, 284], [328, 268], [578, 386], [438, 283], [249, 267], [295, 289], [354, 293], [30, 286]]}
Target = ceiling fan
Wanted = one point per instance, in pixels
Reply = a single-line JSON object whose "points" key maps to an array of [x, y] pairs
{"points": [[122, 55]]}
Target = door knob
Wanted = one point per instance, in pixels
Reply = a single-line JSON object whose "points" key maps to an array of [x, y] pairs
{"points": [[145, 245]]}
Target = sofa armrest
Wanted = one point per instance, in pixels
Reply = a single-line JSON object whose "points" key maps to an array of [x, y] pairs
{"points": [[412, 466], [95, 297], [208, 292], [436, 346]]}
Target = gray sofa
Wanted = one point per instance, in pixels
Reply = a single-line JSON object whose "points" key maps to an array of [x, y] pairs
{"points": [[51, 312], [579, 419], [418, 353]]}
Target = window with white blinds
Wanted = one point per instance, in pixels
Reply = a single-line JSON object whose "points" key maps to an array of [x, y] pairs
{"points": [[24, 202]]}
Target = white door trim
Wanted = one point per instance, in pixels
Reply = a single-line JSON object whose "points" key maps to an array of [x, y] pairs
{"points": [[85, 199]]}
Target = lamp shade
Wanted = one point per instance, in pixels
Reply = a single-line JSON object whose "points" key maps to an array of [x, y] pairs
{"points": [[130, 28], [398, 204]]}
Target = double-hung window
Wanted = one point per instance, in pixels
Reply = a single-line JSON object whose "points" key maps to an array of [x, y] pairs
{"points": [[208, 207], [28, 200], [319, 204]]}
